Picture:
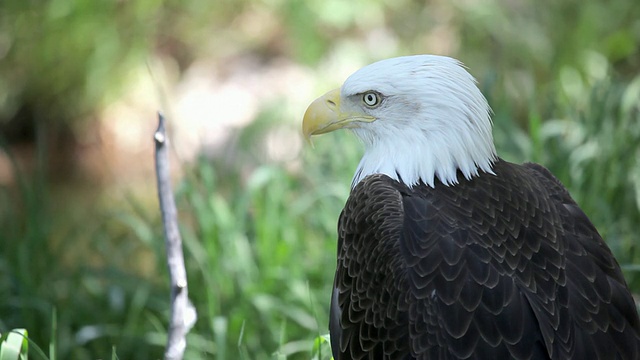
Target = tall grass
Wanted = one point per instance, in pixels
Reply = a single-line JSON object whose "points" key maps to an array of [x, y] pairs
{"points": [[62, 275], [261, 242]]}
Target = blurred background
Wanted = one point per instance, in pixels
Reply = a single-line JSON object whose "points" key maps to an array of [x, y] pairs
{"points": [[82, 264]]}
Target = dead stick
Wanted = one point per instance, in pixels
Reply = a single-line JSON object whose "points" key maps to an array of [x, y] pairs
{"points": [[182, 312]]}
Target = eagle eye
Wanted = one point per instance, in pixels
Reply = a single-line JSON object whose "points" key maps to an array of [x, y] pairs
{"points": [[371, 98]]}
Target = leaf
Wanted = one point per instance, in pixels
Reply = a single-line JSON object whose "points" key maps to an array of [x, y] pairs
{"points": [[15, 346]]}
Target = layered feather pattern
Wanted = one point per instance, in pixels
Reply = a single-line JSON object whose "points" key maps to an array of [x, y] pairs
{"points": [[500, 266]]}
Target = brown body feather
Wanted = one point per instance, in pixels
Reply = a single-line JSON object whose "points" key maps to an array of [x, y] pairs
{"points": [[502, 266]]}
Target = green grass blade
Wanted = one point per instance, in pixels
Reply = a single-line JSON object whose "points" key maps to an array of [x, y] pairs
{"points": [[15, 345]]}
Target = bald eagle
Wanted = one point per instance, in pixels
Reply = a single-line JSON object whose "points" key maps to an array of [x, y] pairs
{"points": [[446, 251]]}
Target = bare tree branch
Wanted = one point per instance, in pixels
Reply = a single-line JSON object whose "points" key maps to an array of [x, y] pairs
{"points": [[183, 313]]}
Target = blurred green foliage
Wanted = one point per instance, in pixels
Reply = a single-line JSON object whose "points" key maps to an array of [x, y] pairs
{"points": [[562, 78], [61, 59]]}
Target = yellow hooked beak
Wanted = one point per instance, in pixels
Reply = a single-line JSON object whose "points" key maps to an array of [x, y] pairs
{"points": [[324, 115]]}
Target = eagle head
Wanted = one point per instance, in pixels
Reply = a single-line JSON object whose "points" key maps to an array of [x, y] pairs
{"points": [[420, 118]]}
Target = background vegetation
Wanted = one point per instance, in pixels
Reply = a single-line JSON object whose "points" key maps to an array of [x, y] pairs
{"points": [[81, 256]]}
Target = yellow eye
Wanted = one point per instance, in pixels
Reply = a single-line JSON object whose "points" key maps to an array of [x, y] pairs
{"points": [[371, 99]]}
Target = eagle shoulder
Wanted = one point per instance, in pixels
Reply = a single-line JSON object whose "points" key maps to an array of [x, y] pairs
{"points": [[368, 304]]}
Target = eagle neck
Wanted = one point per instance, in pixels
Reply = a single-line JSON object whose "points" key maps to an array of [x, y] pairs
{"points": [[425, 159]]}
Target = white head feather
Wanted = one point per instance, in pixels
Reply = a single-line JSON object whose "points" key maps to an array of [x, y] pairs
{"points": [[432, 120]]}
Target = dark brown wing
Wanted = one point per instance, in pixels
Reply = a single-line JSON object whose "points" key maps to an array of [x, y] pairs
{"points": [[369, 303], [603, 311], [485, 263], [496, 267]]}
